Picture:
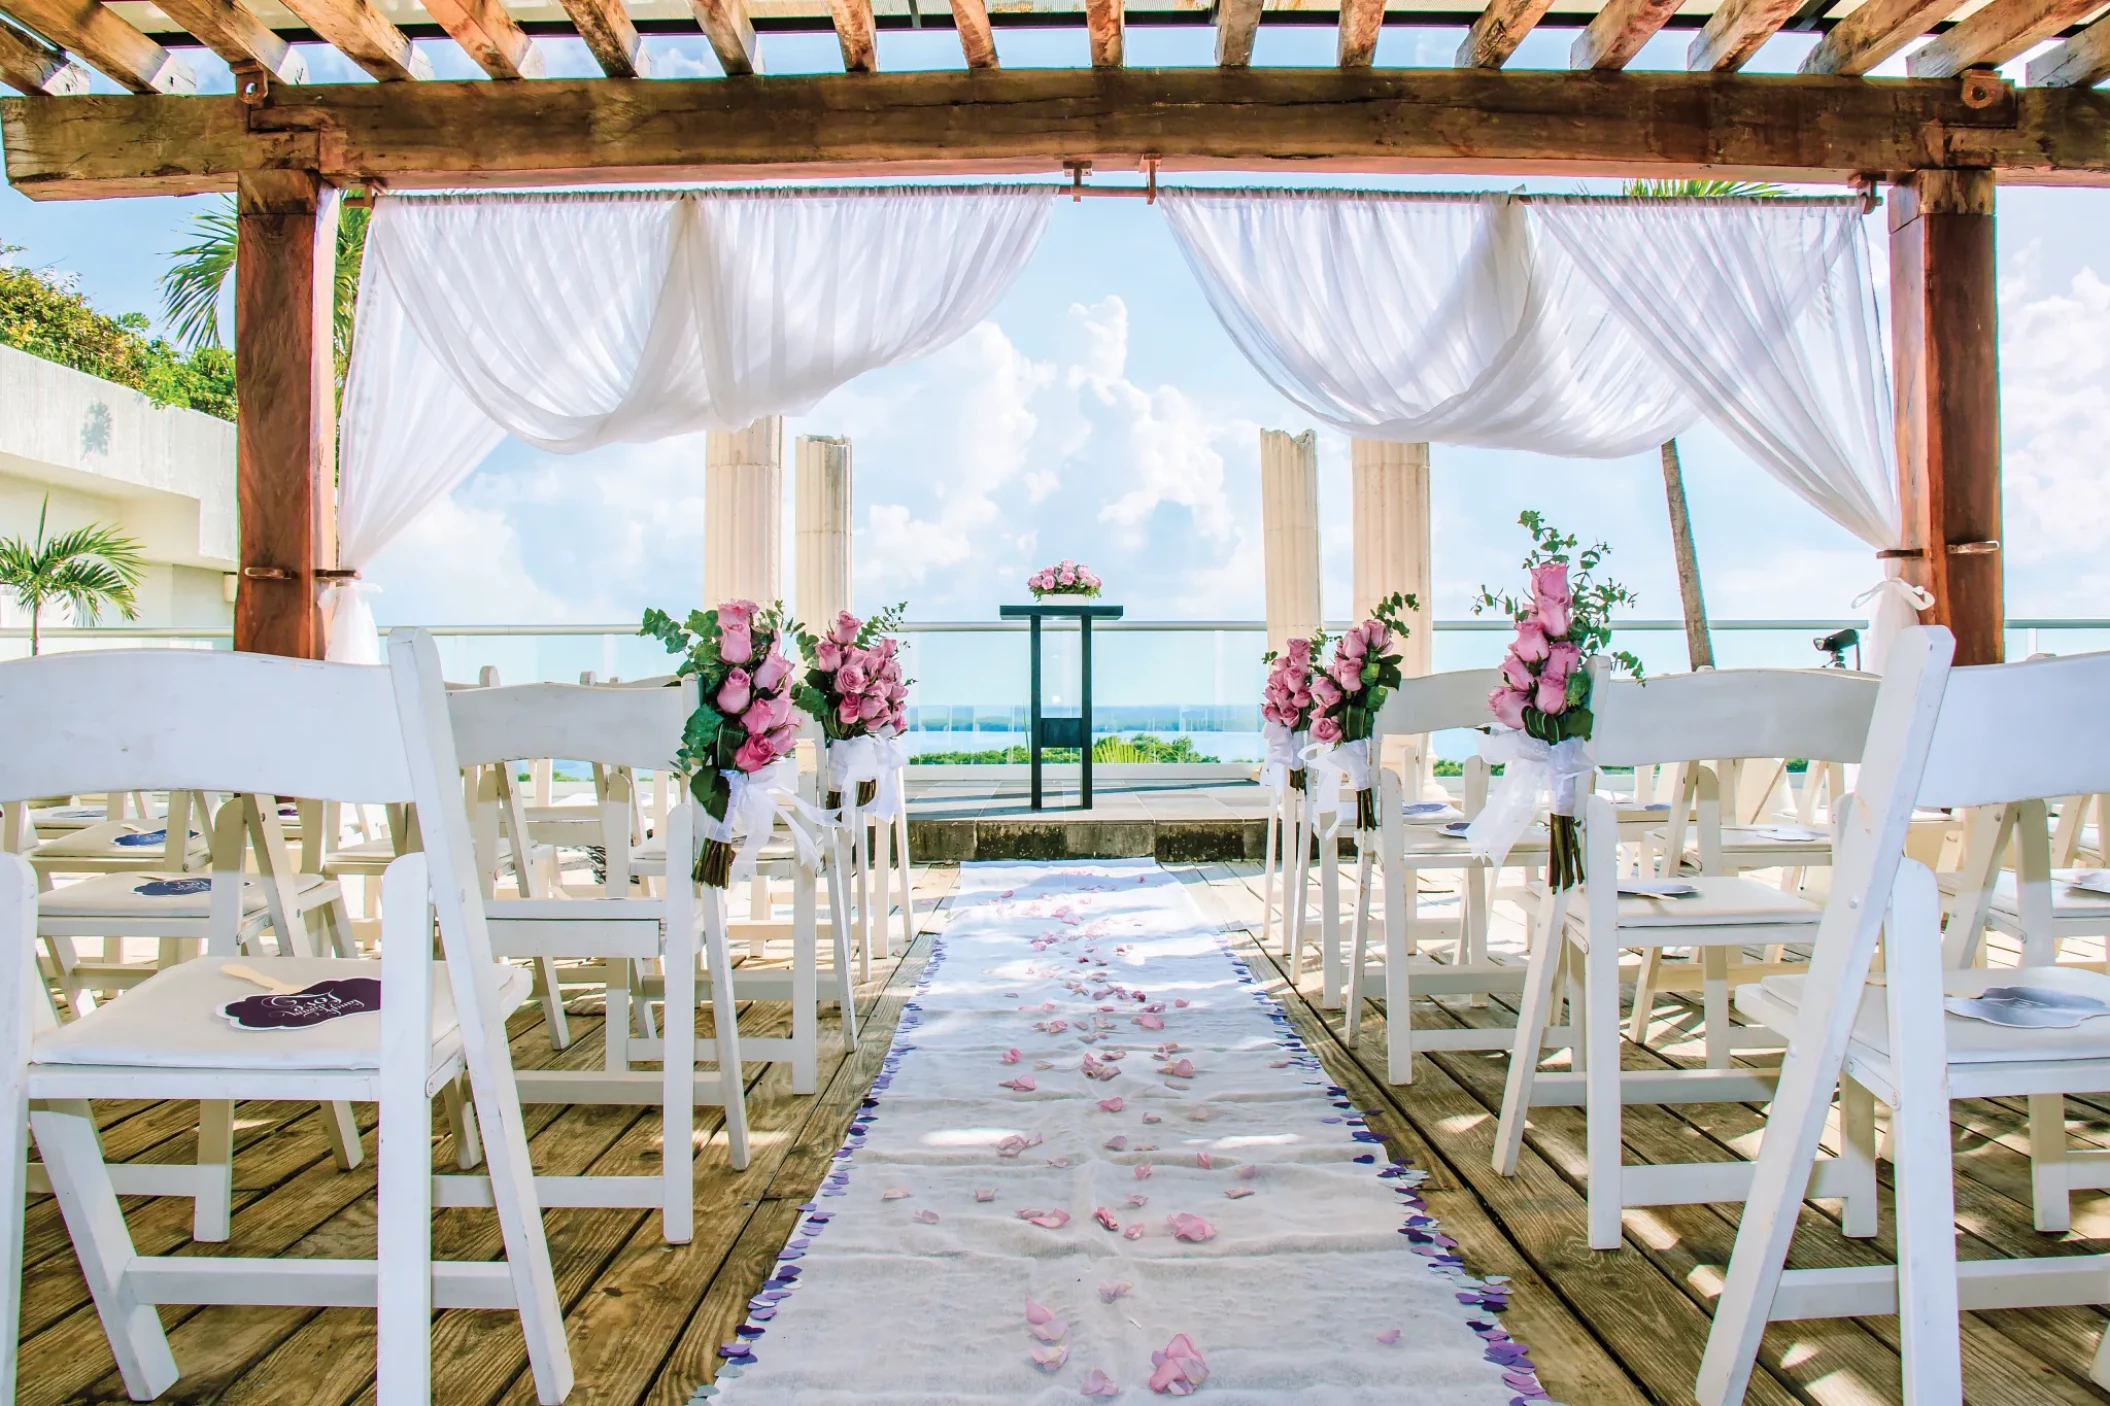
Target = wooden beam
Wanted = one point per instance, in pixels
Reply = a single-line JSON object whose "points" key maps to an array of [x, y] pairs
{"points": [[106, 42], [1497, 32], [232, 30], [1237, 21], [1872, 34], [1735, 32], [977, 42], [1361, 21], [732, 35], [1990, 37], [1945, 354], [489, 36], [1102, 26], [1409, 121], [1611, 40], [854, 31], [2081, 62], [29, 65], [610, 36], [365, 36], [286, 423]]}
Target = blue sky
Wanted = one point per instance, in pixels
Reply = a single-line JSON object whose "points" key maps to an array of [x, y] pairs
{"points": [[1101, 413]]}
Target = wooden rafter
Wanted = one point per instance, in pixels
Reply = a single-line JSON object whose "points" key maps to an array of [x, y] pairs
{"points": [[1237, 21], [101, 38], [1735, 32], [29, 65], [1497, 32], [977, 41], [1361, 20], [490, 36], [610, 37], [855, 32], [1441, 121], [232, 30], [732, 35], [1995, 34], [1871, 34], [1611, 40], [365, 36], [2081, 62], [1103, 22]]}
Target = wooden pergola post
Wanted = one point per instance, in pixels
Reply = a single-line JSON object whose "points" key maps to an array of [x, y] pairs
{"points": [[286, 426], [1944, 338]]}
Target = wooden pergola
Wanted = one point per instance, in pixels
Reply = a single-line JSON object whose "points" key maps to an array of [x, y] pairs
{"points": [[1940, 139]]}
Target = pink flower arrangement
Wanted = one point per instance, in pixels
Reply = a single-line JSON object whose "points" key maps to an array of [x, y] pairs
{"points": [[1065, 578], [853, 682], [1350, 690], [1287, 698], [1542, 673]]}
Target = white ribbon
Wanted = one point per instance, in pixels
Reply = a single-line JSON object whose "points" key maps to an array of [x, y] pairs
{"points": [[1323, 761], [751, 815], [1535, 776], [1894, 604], [1282, 754], [892, 758], [850, 761]]}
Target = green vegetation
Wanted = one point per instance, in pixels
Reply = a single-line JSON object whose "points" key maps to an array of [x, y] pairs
{"points": [[191, 289], [45, 315], [1140, 748], [89, 568]]}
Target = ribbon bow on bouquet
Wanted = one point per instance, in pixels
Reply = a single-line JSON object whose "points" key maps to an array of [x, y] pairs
{"points": [[755, 802], [1536, 775], [1347, 695], [865, 773], [1281, 758]]}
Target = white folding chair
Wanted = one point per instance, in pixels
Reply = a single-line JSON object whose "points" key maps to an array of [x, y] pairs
{"points": [[622, 729], [253, 723], [1679, 718], [1997, 735]]}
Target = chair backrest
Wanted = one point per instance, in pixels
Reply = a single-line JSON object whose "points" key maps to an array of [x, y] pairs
{"points": [[1439, 702], [626, 727], [1820, 714], [2020, 732], [198, 720]]}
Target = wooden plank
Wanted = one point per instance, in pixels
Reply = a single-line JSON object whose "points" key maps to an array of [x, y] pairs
{"points": [[365, 36], [977, 42], [1756, 126], [1945, 358], [1361, 20], [1735, 32], [232, 30], [855, 34], [1987, 38], [2080, 62], [1237, 22], [1498, 30], [489, 35], [1872, 33], [1611, 40], [732, 34], [286, 430], [1103, 31], [610, 37], [29, 65], [107, 42]]}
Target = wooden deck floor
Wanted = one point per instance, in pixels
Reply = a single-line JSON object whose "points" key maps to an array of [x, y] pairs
{"points": [[645, 1319]]}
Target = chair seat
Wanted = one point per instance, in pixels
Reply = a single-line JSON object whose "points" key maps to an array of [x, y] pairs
{"points": [[2066, 901], [111, 839], [118, 896], [1776, 1001], [1722, 901], [173, 1020]]}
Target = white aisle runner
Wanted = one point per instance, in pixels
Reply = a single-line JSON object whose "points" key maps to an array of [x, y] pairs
{"points": [[1095, 1134]]}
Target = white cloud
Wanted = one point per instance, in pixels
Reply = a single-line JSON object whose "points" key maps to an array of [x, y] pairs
{"points": [[2055, 420]]}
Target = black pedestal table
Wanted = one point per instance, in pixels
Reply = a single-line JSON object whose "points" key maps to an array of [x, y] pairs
{"points": [[1061, 732]]}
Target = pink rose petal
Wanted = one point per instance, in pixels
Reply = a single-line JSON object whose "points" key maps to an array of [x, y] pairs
{"points": [[1117, 1143], [1134, 1232], [1050, 1359], [1096, 1382], [1235, 1192], [985, 1193], [1137, 1200], [1192, 1228], [1110, 1105], [894, 1193], [1152, 1118], [1109, 1292], [1197, 1115], [927, 1216], [1201, 1159], [1050, 1219], [1106, 1218], [1249, 1170], [1142, 1170], [1151, 1022], [1008, 1057], [1180, 1069], [1389, 1336], [1179, 1368], [1023, 1084], [1038, 1313], [1181, 1003]]}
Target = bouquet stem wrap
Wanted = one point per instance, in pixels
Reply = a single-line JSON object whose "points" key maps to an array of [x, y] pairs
{"points": [[733, 846], [1535, 773], [1281, 758]]}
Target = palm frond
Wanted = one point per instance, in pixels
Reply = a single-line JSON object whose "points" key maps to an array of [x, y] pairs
{"points": [[1701, 190], [351, 257], [191, 290], [87, 585], [95, 542]]}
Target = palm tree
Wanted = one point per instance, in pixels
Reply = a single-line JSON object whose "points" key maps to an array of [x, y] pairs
{"points": [[191, 289], [1699, 646], [88, 568]]}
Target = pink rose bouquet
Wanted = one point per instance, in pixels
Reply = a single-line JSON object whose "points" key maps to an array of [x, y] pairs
{"points": [[745, 720], [1562, 620], [1351, 690], [1065, 578], [853, 684], [1287, 700]]}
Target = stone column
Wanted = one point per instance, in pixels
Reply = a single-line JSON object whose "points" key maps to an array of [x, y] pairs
{"points": [[822, 554], [1289, 521], [743, 513], [1391, 515]]}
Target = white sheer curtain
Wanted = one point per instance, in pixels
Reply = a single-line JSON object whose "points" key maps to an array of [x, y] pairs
{"points": [[1425, 319], [574, 321]]}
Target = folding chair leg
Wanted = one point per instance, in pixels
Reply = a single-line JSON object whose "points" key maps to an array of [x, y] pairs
{"points": [[2049, 1170], [1330, 918], [1857, 1151], [18, 940], [1267, 877], [839, 933], [1600, 1037], [213, 1207], [1714, 976], [65, 1135], [342, 1131], [1547, 940], [725, 1024], [883, 870], [1360, 942], [759, 910], [551, 993], [403, 1190], [677, 1136], [805, 993], [461, 1122], [1645, 995], [1400, 885], [908, 880]]}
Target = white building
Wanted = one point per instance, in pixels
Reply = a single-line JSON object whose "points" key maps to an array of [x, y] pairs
{"points": [[105, 453]]}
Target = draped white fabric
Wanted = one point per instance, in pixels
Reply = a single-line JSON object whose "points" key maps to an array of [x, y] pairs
{"points": [[1425, 320], [575, 321]]}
